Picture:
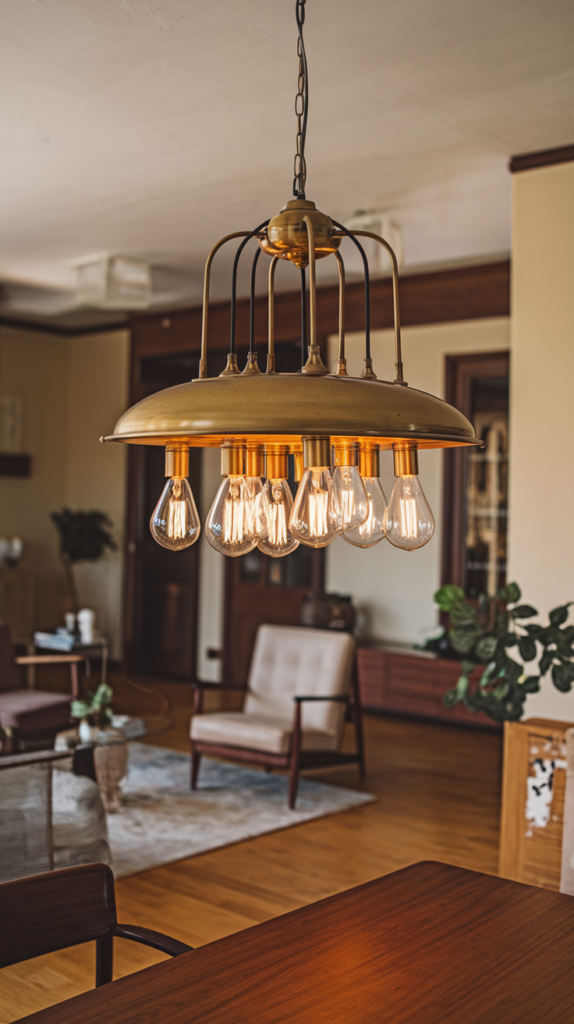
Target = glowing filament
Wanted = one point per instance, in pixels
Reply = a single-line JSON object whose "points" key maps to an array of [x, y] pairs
{"points": [[176, 519], [347, 506], [318, 525], [408, 517], [234, 519], [277, 520]]}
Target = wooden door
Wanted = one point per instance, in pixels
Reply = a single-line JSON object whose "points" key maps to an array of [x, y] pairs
{"points": [[258, 590], [161, 585]]}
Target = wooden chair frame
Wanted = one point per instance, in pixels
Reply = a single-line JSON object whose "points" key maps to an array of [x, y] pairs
{"points": [[59, 909], [296, 760]]}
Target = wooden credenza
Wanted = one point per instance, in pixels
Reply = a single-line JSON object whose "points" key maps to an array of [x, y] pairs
{"points": [[412, 683]]}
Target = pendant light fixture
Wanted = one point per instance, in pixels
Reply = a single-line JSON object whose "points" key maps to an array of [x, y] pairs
{"points": [[332, 423]]}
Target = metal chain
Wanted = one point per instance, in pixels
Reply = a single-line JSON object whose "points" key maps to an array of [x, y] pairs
{"points": [[301, 106]]}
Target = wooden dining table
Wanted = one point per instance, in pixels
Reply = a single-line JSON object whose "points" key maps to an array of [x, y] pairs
{"points": [[430, 943]]}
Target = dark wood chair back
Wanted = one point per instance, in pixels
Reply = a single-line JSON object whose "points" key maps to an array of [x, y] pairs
{"points": [[8, 672], [43, 913], [55, 910]]}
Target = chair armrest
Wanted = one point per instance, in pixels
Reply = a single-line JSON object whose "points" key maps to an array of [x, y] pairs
{"points": [[200, 688], [150, 938], [49, 659], [33, 757], [341, 698]]}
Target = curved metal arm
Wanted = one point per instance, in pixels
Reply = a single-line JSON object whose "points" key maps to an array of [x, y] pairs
{"points": [[271, 317], [206, 280], [314, 364], [349, 234], [341, 361], [396, 313], [240, 248]]}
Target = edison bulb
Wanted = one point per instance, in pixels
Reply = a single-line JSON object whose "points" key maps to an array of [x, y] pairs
{"points": [[175, 523], [230, 526], [372, 531], [351, 497], [275, 507], [315, 516], [253, 495], [409, 521]]}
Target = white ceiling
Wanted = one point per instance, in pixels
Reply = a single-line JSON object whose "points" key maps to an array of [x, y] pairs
{"points": [[149, 129]]}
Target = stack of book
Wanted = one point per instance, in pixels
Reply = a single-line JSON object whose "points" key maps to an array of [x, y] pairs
{"points": [[61, 640]]}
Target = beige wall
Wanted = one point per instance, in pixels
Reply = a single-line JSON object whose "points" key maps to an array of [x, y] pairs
{"points": [[73, 390], [95, 473], [393, 589], [541, 511]]}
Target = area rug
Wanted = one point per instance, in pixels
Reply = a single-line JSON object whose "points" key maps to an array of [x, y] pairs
{"points": [[162, 820]]}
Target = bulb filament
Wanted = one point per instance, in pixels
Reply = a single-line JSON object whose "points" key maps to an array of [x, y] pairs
{"points": [[276, 518], [408, 516], [176, 525], [234, 516], [318, 526]]}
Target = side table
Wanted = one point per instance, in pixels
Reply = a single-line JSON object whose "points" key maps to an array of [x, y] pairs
{"points": [[100, 647]]}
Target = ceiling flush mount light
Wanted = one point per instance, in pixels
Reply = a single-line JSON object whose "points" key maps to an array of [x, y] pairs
{"points": [[332, 423]]}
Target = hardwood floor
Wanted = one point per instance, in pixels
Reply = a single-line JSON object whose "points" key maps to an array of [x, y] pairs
{"points": [[437, 789]]}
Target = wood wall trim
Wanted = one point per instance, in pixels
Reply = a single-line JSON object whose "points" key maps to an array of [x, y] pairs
{"points": [[462, 293], [543, 158]]}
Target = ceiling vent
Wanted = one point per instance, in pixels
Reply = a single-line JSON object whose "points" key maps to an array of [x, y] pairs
{"points": [[113, 282], [380, 224]]}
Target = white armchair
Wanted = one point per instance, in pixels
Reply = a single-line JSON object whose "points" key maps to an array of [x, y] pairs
{"points": [[301, 688]]}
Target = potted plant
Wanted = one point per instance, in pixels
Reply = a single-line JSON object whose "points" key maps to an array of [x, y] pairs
{"points": [[110, 748], [84, 537], [95, 711], [484, 634]]}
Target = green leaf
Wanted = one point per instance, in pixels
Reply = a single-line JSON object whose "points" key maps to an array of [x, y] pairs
{"points": [[527, 648], [450, 698], [559, 615], [463, 614], [486, 647], [463, 640], [534, 630], [523, 611], [545, 662], [462, 687], [563, 677], [514, 593], [486, 675], [530, 684], [510, 639], [467, 667], [501, 690], [447, 596]]}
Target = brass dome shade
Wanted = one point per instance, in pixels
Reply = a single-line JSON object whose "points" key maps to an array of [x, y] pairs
{"points": [[204, 413], [250, 414]]}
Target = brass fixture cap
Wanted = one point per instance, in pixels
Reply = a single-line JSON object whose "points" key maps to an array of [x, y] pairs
{"points": [[254, 460], [315, 365], [276, 462], [177, 462], [281, 407], [232, 459], [345, 453], [317, 452], [251, 366], [232, 367], [369, 462], [286, 234], [406, 461]]}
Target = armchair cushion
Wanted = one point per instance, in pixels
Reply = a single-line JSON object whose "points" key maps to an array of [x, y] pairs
{"points": [[34, 712], [291, 660], [256, 732]]}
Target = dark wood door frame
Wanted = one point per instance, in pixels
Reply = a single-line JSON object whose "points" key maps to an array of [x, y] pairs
{"points": [[460, 373]]}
